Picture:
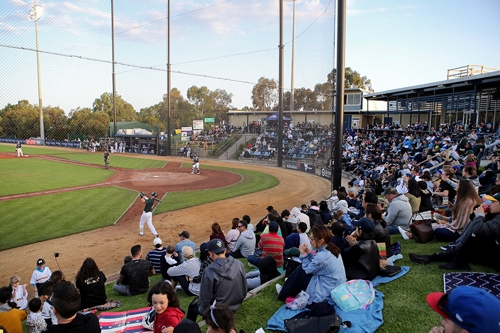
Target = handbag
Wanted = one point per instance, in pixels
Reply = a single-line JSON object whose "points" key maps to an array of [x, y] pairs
{"points": [[422, 231], [326, 324], [148, 319]]}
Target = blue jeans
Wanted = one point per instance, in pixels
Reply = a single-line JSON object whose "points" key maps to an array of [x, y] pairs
{"points": [[445, 235], [122, 289], [254, 260], [393, 230]]}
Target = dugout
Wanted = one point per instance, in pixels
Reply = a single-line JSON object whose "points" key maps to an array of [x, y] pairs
{"points": [[135, 137]]}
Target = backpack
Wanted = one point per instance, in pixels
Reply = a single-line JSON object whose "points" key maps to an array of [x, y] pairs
{"points": [[354, 294]]}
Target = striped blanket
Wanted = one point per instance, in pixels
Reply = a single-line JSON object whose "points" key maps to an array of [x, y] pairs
{"points": [[125, 321]]}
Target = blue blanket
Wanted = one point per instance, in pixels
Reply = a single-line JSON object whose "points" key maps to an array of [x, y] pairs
{"points": [[362, 320], [384, 279]]}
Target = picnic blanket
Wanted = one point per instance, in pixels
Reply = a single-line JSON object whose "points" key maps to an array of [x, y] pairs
{"points": [[110, 304], [363, 320], [125, 321], [487, 281], [378, 280]]}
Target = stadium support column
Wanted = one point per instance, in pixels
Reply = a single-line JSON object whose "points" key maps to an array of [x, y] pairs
{"points": [[339, 101], [280, 93]]}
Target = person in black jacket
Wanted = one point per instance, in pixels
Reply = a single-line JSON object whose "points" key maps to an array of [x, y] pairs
{"points": [[362, 261]]}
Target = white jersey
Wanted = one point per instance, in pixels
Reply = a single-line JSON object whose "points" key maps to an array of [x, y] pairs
{"points": [[40, 276], [21, 298]]}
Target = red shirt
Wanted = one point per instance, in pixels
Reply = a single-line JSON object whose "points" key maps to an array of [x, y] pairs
{"points": [[171, 317], [272, 245]]}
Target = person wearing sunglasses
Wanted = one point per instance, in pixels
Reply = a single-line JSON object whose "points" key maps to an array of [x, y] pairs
{"points": [[466, 309]]}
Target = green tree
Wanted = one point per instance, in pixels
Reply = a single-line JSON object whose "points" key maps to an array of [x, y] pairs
{"points": [[323, 92], [265, 94], [20, 120], [55, 123], [202, 100], [84, 122], [304, 99], [222, 100], [124, 111], [353, 79]]}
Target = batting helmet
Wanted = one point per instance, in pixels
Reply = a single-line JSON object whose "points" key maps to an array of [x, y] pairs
{"points": [[154, 194]]}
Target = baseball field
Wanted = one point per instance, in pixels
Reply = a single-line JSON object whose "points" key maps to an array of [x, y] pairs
{"points": [[62, 200]]}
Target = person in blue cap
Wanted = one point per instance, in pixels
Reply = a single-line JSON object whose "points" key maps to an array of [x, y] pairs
{"points": [[466, 310]]}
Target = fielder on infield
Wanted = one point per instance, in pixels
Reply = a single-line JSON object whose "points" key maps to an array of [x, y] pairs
{"points": [[196, 163]]}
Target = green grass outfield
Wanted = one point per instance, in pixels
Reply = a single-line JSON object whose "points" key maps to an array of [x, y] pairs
{"points": [[405, 309], [35, 219]]}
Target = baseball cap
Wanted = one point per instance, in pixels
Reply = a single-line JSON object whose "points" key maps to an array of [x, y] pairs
{"points": [[365, 224], [456, 167], [471, 308], [157, 241], [469, 152], [273, 227], [493, 198], [440, 171], [40, 261], [216, 246], [203, 247], [184, 234]]}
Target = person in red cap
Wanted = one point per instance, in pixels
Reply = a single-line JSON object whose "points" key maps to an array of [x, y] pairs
{"points": [[466, 310]]}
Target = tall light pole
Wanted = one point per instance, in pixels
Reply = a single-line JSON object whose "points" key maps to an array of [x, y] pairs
{"points": [[292, 95], [113, 61], [35, 14], [280, 89], [169, 129]]}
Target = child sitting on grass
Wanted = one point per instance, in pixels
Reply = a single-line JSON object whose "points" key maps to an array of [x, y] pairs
{"points": [[19, 292], [166, 304], [35, 322]]}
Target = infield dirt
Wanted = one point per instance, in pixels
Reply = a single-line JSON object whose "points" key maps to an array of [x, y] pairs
{"points": [[109, 245]]}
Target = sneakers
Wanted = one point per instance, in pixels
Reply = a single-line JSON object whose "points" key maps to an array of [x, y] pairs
{"points": [[403, 233], [198, 172], [192, 172], [278, 287], [141, 233], [448, 247], [420, 258], [178, 287]]}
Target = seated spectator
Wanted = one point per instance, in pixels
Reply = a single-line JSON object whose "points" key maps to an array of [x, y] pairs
{"points": [[345, 219], [261, 225], [289, 221], [466, 309], [362, 261], [399, 211], [194, 285], [186, 271], [136, 273], [271, 244], [249, 224], [478, 242], [57, 276], [219, 319], [313, 212], [449, 229], [154, 256], [326, 214], [223, 281], [217, 233], [187, 326], [267, 271], [19, 292], [45, 292], [66, 304], [90, 282], [170, 259], [232, 235], [301, 217], [10, 317], [413, 196], [185, 241], [380, 232], [342, 204], [41, 274], [296, 238], [319, 273], [424, 211], [35, 322], [338, 231], [166, 305], [245, 245]]}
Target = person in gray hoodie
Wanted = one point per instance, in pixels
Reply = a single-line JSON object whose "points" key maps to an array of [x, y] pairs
{"points": [[223, 281], [245, 245], [399, 211]]}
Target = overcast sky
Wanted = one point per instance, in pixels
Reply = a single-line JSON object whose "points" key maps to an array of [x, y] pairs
{"points": [[230, 44]]}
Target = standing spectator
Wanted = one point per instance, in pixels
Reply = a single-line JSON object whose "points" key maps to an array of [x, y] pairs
{"points": [[135, 273], [90, 281], [185, 241], [245, 245], [41, 274], [19, 292], [154, 256], [223, 281]]}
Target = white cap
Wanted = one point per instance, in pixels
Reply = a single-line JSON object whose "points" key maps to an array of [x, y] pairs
{"points": [[157, 241]]}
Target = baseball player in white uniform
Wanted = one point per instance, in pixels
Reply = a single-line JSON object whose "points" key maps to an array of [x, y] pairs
{"points": [[196, 164], [147, 214], [19, 149]]}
